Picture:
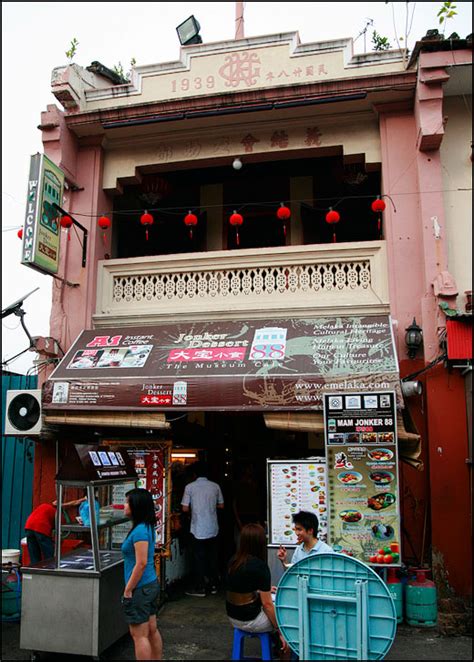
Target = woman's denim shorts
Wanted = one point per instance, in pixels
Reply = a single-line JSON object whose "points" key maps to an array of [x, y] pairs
{"points": [[142, 604]]}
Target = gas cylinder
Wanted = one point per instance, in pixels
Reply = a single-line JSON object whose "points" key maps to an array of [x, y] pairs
{"points": [[396, 591], [421, 601], [11, 593]]}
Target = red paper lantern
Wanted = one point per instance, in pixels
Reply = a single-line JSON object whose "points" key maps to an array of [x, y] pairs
{"points": [[378, 206], [236, 220], [190, 220], [104, 223], [146, 219], [331, 218], [283, 213], [19, 234], [66, 222]]}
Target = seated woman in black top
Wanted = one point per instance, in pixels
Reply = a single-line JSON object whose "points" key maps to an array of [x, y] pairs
{"points": [[249, 603]]}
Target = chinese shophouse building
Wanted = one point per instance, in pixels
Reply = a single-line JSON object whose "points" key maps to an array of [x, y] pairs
{"points": [[315, 127]]}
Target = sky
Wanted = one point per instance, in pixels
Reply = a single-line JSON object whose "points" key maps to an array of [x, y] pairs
{"points": [[36, 35]]}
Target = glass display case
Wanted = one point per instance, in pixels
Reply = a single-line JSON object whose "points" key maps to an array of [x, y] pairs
{"points": [[72, 604]]}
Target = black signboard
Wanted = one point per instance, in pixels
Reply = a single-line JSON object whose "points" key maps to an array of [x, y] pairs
{"points": [[362, 469], [84, 462]]}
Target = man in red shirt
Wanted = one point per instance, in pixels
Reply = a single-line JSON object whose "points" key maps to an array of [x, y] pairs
{"points": [[39, 530]]}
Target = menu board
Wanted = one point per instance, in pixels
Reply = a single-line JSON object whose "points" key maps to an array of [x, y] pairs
{"points": [[295, 485], [149, 465], [362, 468]]}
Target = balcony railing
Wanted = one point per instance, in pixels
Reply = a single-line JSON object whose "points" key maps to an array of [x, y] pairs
{"points": [[275, 282]]}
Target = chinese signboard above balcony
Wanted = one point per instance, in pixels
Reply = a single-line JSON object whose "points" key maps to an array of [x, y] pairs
{"points": [[41, 232], [260, 365], [230, 66]]}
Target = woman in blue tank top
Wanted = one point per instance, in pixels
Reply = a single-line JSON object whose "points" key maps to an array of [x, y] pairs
{"points": [[140, 597]]}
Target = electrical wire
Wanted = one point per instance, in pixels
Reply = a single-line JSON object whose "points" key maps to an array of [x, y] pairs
{"points": [[178, 211], [13, 358], [440, 358]]}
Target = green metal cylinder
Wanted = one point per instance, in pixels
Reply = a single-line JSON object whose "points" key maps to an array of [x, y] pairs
{"points": [[396, 591], [421, 604]]}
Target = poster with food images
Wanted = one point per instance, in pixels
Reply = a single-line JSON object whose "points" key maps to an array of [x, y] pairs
{"points": [[362, 469], [295, 485]]}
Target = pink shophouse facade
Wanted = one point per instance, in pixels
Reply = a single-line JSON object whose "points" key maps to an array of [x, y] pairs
{"points": [[314, 126]]}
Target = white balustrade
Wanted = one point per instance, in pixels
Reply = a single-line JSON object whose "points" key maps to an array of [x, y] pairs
{"points": [[274, 282]]}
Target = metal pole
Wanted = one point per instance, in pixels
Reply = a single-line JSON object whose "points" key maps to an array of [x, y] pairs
{"points": [[239, 20], [57, 546], [94, 524], [362, 633]]}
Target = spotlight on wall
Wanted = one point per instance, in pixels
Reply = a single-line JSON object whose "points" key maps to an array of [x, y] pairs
{"points": [[413, 339], [188, 32], [410, 388], [237, 164]]}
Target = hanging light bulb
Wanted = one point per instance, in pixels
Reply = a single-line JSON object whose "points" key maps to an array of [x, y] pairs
{"points": [[19, 234]]}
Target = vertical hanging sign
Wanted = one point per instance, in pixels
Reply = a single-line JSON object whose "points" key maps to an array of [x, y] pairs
{"points": [[362, 468], [41, 231]]}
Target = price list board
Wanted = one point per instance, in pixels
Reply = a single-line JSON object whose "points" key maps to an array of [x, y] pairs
{"points": [[295, 485], [362, 469]]}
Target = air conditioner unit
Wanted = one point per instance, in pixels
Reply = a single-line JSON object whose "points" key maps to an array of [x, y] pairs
{"points": [[23, 413]]}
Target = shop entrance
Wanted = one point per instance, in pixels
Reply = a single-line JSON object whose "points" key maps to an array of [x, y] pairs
{"points": [[236, 447]]}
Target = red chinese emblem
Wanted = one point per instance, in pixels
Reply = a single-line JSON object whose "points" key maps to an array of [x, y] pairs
{"points": [[240, 68]]}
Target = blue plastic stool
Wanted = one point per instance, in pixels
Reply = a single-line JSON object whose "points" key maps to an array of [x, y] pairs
{"points": [[239, 640]]}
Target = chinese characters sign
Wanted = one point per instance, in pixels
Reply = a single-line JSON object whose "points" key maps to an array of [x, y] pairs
{"points": [[149, 465], [249, 69], [362, 464], [41, 232], [234, 365]]}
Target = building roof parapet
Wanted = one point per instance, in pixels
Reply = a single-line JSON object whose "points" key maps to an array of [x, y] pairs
{"points": [[223, 67]]}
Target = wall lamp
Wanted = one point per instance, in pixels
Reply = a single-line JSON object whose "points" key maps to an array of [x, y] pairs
{"points": [[413, 339]]}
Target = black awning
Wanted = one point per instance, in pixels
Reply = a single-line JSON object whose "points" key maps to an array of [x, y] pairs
{"points": [[259, 365]]}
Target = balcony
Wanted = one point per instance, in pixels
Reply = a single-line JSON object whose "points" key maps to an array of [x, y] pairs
{"points": [[284, 282]]}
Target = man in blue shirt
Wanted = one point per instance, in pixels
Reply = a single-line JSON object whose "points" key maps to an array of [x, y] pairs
{"points": [[306, 527], [203, 497]]}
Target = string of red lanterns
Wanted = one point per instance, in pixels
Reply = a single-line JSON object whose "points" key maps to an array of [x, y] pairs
{"points": [[283, 213]]}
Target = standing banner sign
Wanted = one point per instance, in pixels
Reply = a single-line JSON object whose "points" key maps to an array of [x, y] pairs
{"points": [[41, 232], [362, 466]]}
